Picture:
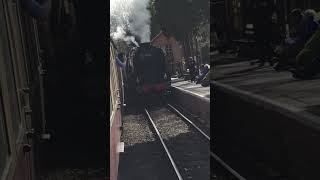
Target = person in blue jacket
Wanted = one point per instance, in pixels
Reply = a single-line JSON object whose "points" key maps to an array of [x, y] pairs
{"points": [[120, 60], [37, 9]]}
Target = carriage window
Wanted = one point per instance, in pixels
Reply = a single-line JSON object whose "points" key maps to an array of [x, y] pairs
{"points": [[4, 147]]}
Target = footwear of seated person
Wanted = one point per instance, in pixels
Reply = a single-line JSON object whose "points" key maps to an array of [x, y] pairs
{"points": [[281, 67]]}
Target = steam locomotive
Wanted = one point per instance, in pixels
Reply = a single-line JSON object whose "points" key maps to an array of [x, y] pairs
{"points": [[147, 70]]}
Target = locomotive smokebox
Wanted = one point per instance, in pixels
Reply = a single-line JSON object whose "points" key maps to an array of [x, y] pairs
{"points": [[145, 44]]}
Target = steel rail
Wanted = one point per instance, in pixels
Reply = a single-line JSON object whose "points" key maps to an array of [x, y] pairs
{"points": [[164, 146], [225, 165], [189, 121]]}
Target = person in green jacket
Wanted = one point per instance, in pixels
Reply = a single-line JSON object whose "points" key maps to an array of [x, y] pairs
{"points": [[307, 62], [303, 27]]}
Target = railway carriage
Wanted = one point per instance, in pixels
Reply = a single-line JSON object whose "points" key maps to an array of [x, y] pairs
{"points": [[31, 46], [116, 107], [21, 100]]}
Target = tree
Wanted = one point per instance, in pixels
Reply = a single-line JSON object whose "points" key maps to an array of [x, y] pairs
{"points": [[181, 18], [155, 25]]}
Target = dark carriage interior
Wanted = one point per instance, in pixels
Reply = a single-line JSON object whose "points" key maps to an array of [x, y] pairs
{"points": [[76, 88]]}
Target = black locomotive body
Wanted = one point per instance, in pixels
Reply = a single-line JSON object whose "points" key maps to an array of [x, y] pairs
{"points": [[149, 70]]}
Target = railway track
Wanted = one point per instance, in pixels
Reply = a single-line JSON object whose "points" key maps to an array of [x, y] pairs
{"points": [[220, 170], [186, 150]]}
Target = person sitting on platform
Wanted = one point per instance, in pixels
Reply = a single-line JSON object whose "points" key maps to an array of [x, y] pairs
{"points": [[303, 27], [307, 63], [207, 78], [203, 73]]}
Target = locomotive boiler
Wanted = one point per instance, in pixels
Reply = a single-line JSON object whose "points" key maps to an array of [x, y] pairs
{"points": [[149, 70]]}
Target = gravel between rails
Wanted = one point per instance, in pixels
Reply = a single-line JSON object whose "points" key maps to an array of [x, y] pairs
{"points": [[136, 130], [189, 149], [144, 157], [203, 125]]}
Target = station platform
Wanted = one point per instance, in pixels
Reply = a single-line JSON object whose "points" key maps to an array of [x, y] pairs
{"points": [[192, 97], [268, 115], [274, 87], [191, 88]]}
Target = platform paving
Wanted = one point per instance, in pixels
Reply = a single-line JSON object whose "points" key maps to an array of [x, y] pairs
{"points": [[270, 116], [193, 98], [192, 88], [279, 87]]}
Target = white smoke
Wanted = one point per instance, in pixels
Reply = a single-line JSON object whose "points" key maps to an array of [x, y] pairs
{"points": [[121, 34], [130, 16]]}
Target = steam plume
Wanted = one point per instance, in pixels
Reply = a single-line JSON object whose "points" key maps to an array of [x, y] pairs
{"points": [[130, 17]]}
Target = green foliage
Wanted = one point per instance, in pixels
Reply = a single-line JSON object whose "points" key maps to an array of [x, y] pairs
{"points": [[180, 18], [155, 25]]}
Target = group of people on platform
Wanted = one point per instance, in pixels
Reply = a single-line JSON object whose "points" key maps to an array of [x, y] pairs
{"points": [[199, 75], [297, 52]]}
